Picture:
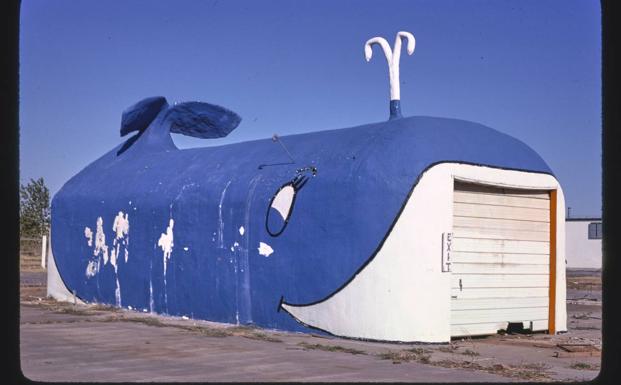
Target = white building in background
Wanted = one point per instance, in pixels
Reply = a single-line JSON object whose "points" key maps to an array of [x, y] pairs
{"points": [[583, 248]]}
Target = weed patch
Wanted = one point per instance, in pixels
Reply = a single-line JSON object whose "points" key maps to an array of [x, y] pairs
{"points": [[204, 331], [102, 307], [261, 337], [416, 354], [73, 311], [523, 372], [330, 348], [147, 320], [584, 366], [470, 353], [448, 349]]}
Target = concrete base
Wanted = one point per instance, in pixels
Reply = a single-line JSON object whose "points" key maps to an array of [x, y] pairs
{"points": [[55, 286]]}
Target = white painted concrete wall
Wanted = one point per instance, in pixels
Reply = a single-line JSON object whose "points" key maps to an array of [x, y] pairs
{"points": [[402, 294], [55, 286], [582, 252]]}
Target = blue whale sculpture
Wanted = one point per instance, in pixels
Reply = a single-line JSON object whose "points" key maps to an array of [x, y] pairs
{"points": [[234, 232]]}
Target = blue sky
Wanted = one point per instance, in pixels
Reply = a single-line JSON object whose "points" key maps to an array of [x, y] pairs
{"points": [[531, 69]]}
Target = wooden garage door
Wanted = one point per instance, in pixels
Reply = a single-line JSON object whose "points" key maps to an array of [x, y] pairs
{"points": [[500, 254]]}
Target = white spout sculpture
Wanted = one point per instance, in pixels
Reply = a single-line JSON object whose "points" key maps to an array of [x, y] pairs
{"points": [[392, 57]]}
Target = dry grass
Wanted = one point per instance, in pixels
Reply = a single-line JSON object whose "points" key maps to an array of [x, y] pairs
{"points": [[530, 372], [470, 353], [74, 311], [97, 309], [584, 366], [206, 331], [584, 283], [54, 306], [419, 350], [104, 307], [150, 321], [451, 348], [203, 331], [330, 348], [29, 293], [586, 328], [261, 337], [415, 354]]}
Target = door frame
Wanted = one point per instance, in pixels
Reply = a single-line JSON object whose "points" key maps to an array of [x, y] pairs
{"points": [[552, 284]]}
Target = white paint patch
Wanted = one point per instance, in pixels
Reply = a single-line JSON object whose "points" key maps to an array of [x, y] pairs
{"points": [[265, 249], [186, 248], [121, 225], [220, 219], [185, 317], [113, 259], [150, 295], [100, 241], [234, 246], [166, 242], [283, 200], [129, 307], [242, 230], [117, 290], [91, 269], [88, 233], [121, 228]]}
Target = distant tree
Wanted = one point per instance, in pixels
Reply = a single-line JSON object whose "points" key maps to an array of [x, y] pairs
{"points": [[34, 208]]}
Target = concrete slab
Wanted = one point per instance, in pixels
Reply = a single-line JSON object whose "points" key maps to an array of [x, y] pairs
{"points": [[65, 342], [80, 350]]}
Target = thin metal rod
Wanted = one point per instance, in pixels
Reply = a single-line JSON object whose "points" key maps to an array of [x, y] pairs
{"points": [[276, 138]]}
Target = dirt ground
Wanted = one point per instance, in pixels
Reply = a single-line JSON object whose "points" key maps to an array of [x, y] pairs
{"points": [[67, 342]]}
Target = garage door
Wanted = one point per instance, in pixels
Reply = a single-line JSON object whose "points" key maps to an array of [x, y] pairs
{"points": [[500, 254]]}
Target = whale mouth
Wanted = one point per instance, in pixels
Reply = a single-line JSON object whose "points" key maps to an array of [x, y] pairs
{"points": [[402, 293], [281, 207]]}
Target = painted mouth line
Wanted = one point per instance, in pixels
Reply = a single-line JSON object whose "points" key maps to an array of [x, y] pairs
{"points": [[390, 229]]}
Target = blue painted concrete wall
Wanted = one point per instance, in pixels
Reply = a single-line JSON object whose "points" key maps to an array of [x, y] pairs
{"points": [[363, 176]]}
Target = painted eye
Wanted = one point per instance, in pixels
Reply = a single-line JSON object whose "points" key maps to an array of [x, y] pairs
{"points": [[281, 206]]}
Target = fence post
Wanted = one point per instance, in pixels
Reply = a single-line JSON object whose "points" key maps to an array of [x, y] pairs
{"points": [[43, 251]]}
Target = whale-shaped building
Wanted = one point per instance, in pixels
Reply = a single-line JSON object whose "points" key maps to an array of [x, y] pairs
{"points": [[417, 229], [414, 229]]}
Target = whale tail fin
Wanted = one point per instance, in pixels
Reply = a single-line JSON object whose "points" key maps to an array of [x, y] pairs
{"points": [[197, 119], [138, 116], [201, 120]]}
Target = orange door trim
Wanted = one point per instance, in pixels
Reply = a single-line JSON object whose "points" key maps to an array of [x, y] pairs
{"points": [[552, 290]]}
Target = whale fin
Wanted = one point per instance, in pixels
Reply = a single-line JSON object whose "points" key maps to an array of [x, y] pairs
{"points": [[201, 120], [140, 115]]}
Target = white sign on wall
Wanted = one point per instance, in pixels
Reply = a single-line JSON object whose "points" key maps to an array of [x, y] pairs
{"points": [[447, 239]]}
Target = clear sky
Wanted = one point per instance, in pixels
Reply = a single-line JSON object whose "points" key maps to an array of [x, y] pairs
{"points": [[530, 69]]}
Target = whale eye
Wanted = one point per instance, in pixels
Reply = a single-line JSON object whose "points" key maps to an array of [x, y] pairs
{"points": [[281, 206]]}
